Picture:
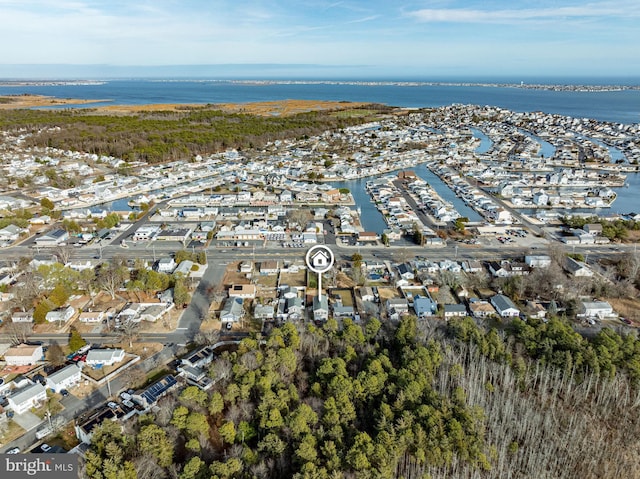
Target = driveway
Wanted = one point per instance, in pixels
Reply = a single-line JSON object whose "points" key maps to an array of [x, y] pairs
{"points": [[27, 420]]}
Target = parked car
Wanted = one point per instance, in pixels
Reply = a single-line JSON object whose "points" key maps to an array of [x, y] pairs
{"points": [[45, 447], [15, 450], [112, 405], [125, 396], [64, 392]]}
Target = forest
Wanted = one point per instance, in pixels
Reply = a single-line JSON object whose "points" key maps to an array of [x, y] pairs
{"points": [[170, 135], [416, 399]]}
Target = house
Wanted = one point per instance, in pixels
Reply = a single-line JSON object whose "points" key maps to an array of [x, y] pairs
{"points": [[294, 307], [538, 261], [60, 314], [84, 430], [595, 309], [500, 270], [366, 293], [232, 310], [340, 311], [424, 306], [264, 312], [184, 268], [23, 355], [30, 396], [454, 310], [149, 397], [104, 357], [52, 238], [269, 267], [481, 309], [244, 291], [320, 308], [166, 265], [176, 234], [198, 358], [577, 268], [66, 378], [91, 316], [22, 316], [405, 271], [504, 306], [367, 237], [594, 229], [536, 310], [246, 267], [397, 307], [11, 233]]}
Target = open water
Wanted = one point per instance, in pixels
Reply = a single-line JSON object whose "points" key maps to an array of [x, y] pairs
{"points": [[616, 106]]}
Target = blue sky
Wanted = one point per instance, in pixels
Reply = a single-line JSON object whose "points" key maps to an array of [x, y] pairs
{"points": [[390, 38]]}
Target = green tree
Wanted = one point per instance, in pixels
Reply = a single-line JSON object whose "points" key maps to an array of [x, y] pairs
{"points": [[47, 203], [152, 439], [76, 341]]}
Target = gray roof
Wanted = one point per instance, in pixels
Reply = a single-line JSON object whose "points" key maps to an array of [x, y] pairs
{"points": [[64, 374], [502, 302], [101, 354], [27, 393], [455, 308]]}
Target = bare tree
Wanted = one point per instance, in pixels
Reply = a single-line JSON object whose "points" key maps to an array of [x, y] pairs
{"points": [[299, 217], [26, 291], [63, 253], [111, 277], [128, 332], [18, 332]]}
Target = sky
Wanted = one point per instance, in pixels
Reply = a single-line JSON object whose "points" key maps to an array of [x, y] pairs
{"points": [[318, 38]]}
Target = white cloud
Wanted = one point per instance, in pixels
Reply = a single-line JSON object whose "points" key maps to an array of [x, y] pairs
{"points": [[510, 16]]}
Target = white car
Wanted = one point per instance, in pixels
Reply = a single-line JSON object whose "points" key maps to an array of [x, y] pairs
{"points": [[15, 450], [125, 396], [45, 447]]}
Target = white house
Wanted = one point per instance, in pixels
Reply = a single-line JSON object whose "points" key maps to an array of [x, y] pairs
{"points": [[577, 268], [61, 314], [538, 261], [166, 265], [91, 316], [104, 357], [455, 310], [28, 397], [66, 378], [504, 306], [52, 238], [23, 355], [595, 309], [22, 316], [244, 291]]}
